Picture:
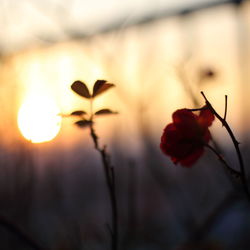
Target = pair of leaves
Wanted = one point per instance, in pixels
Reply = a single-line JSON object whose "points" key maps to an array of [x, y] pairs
{"points": [[105, 112], [78, 113], [83, 123], [99, 112], [86, 123], [99, 87]]}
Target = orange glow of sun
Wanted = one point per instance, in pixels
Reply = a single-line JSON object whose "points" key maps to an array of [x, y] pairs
{"points": [[38, 119]]}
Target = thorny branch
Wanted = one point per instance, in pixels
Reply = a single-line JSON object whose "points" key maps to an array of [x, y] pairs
{"points": [[235, 143]]}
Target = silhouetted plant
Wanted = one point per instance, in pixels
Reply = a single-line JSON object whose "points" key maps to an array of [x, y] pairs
{"points": [[184, 140], [224, 123], [87, 120]]}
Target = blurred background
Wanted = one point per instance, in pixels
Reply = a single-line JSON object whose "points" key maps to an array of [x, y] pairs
{"points": [[160, 55]]}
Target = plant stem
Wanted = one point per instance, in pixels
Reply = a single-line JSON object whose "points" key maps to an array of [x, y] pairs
{"points": [[10, 226], [110, 180], [235, 143], [231, 170], [91, 109]]}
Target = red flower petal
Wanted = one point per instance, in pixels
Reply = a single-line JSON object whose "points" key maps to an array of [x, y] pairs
{"points": [[192, 158], [205, 118], [184, 116], [185, 138], [169, 137], [186, 122], [207, 136]]}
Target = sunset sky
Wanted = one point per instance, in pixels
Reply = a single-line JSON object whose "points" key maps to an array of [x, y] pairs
{"points": [[143, 61], [124, 67]]}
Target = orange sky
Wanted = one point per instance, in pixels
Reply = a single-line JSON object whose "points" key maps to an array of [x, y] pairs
{"points": [[143, 63]]}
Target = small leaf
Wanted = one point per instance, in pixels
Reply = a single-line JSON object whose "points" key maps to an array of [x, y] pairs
{"points": [[100, 86], [81, 89], [83, 123], [105, 112], [78, 113]]}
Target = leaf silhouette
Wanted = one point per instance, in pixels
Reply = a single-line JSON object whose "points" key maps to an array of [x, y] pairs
{"points": [[83, 123], [78, 113], [81, 89], [100, 86], [105, 112]]}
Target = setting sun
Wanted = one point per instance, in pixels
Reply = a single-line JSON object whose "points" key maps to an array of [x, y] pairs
{"points": [[38, 119]]}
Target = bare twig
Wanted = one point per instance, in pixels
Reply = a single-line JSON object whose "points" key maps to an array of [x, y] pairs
{"points": [[225, 113], [232, 171], [235, 143], [110, 180], [13, 228]]}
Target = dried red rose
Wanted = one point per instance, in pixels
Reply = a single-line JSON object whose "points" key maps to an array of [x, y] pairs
{"points": [[185, 138]]}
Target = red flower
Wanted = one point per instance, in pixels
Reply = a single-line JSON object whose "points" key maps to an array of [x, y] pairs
{"points": [[185, 138]]}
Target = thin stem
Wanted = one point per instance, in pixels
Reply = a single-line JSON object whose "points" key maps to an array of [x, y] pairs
{"points": [[10, 226], [235, 143], [110, 180], [198, 109], [91, 109], [225, 113], [231, 170]]}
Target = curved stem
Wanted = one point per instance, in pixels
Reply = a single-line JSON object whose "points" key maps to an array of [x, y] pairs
{"points": [[10, 226], [231, 170], [235, 143], [110, 180]]}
